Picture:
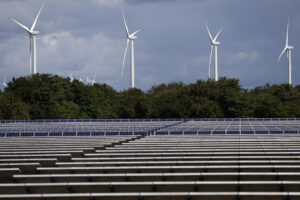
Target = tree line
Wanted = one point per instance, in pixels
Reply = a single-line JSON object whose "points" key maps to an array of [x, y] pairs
{"points": [[45, 96]]}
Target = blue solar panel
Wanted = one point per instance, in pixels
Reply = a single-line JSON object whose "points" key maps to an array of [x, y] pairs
{"points": [[126, 133], [2, 134], [27, 134], [247, 132], [55, 134], [204, 132], [218, 132], [176, 132], [12, 134], [190, 132], [261, 132], [69, 134], [111, 133], [276, 132], [97, 133], [41, 134], [233, 132], [290, 132], [83, 134]]}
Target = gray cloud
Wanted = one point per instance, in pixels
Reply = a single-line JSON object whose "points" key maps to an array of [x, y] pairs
{"points": [[85, 37]]}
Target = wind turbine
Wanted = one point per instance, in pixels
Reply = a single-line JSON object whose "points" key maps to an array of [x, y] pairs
{"points": [[93, 81], [130, 37], [288, 50], [214, 44], [71, 77], [88, 81], [4, 83], [32, 40]]}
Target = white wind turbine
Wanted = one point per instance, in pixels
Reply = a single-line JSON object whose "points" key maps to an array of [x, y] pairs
{"points": [[214, 44], [32, 40], [88, 81], [130, 37], [4, 83], [288, 50], [93, 81], [71, 77]]}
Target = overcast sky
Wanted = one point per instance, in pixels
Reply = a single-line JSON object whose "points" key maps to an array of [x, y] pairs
{"points": [[88, 37]]}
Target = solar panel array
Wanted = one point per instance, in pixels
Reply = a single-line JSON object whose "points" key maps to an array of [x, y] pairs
{"points": [[146, 127], [91, 128], [233, 127], [262, 166]]}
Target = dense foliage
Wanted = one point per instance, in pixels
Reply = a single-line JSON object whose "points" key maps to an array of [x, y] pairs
{"points": [[45, 96]]}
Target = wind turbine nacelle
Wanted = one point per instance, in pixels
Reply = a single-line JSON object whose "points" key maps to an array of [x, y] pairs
{"points": [[132, 37], [289, 47], [216, 43], [35, 32]]}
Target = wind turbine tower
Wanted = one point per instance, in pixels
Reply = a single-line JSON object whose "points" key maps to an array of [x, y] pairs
{"points": [[214, 45], [288, 50], [93, 81], [130, 37], [32, 40]]}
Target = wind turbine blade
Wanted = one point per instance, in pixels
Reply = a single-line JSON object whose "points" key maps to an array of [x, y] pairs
{"points": [[125, 24], [124, 56], [132, 34], [211, 49], [36, 18], [281, 54], [22, 26], [215, 39], [287, 33], [210, 37]]}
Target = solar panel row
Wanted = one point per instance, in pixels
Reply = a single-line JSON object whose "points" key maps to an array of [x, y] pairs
{"points": [[144, 128]]}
